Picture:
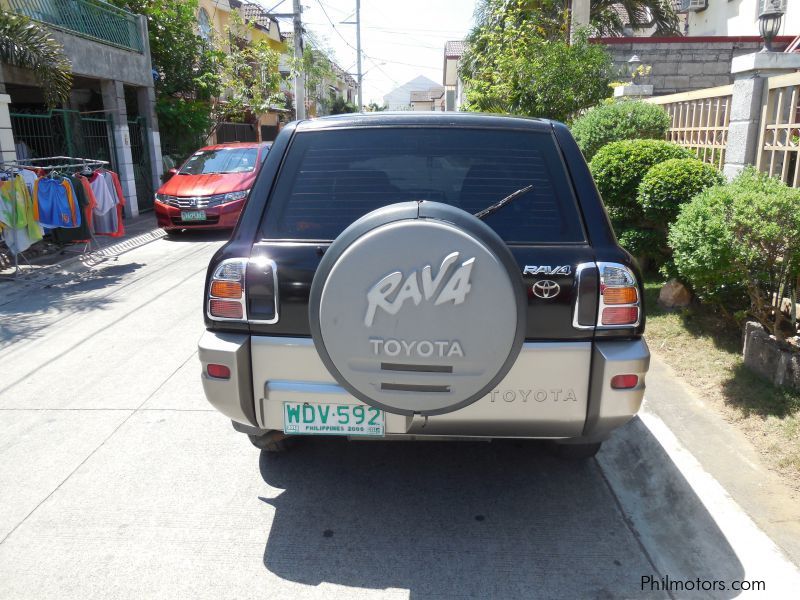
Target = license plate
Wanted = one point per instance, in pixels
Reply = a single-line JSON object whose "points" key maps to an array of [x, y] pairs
{"points": [[332, 419], [193, 215]]}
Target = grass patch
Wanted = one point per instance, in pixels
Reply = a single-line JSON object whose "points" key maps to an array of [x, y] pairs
{"points": [[705, 350]]}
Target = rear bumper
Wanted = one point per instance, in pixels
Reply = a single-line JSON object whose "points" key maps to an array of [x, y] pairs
{"points": [[547, 394], [224, 216]]}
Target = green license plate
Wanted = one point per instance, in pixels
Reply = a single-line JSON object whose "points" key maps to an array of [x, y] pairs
{"points": [[332, 419], [193, 215]]}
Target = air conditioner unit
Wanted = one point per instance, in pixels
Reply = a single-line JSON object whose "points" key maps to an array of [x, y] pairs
{"points": [[693, 5]]}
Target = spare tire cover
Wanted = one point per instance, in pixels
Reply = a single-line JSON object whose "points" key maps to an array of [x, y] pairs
{"points": [[418, 307]]}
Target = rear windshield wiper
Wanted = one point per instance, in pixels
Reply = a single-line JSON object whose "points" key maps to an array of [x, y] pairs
{"points": [[507, 200]]}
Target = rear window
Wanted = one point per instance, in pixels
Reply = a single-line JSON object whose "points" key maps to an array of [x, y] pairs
{"points": [[331, 178]]}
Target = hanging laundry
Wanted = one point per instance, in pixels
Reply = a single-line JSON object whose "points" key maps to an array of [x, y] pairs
{"points": [[54, 203], [17, 218], [105, 210], [83, 233], [114, 178], [110, 222]]}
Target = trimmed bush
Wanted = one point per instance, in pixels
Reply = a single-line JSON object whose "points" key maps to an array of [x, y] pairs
{"points": [[625, 120], [742, 238], [618, 169], [674, 182]]}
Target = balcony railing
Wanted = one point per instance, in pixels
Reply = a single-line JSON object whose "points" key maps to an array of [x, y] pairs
{"points": [[92, 19]]}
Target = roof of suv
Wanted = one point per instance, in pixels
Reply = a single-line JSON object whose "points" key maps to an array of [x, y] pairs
{"points": [[425, 119]]}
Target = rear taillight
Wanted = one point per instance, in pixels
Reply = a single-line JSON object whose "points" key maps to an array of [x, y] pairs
{"points": [[620, 305], [218, 371], [226, 293], [624, 382]]}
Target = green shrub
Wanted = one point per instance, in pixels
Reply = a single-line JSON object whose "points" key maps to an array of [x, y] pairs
{"points": [[618, 169], [674, 182], [742, 237], [626, 120]]}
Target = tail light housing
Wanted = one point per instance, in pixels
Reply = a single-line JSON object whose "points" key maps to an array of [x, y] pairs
{"points": [[226, 291], [244, 291], [620, 304]]}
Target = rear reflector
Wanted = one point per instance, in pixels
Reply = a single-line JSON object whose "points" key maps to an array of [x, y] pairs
{"points": [[226, 289], [624, 382], [620, 295], [220, 371], [620, 315], [227, 309]]}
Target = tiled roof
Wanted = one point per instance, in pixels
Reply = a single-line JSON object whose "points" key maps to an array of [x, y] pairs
{"points": [[427, 95], [454, 48], [256, 14]]}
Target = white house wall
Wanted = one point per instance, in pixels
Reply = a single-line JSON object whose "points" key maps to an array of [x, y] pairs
{"points": [[739, 18]]}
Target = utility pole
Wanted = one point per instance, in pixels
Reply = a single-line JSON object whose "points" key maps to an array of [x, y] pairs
{"points": [[358, 58], [299, 78], [579, 17]]}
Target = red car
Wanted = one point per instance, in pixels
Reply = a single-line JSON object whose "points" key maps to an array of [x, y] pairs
{"points": [[210, 188]]}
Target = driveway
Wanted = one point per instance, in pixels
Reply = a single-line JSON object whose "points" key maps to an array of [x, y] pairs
{"points": [[117, 480]]}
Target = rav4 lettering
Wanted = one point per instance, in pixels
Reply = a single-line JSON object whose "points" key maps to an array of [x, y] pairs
{"points": [[420, 286], [546, 270], [421, 348]]}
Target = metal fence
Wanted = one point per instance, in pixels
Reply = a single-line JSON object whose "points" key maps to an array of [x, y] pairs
{"points": [[779, 141], [699, 121], [62, 133], [236, 132], [91, 19]]}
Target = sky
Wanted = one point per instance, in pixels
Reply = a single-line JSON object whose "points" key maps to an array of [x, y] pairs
{"points": [[400, 39]]}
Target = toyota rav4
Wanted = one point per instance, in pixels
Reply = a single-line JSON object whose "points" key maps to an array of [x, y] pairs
{"points": [[424, 276]]}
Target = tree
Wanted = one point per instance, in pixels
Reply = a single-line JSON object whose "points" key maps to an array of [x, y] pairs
{"points": [[182, 59], [246, 73], [26, 45], [375, 107], [518, 60], [604, 15], [642, 14], [340, 106]]}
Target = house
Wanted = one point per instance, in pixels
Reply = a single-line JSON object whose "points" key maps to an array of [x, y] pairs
{"points": [[321, 91], [716, 31], [735, 17], [432, 99], [214, 18], [400, 98], [110, 114], [454, 87]]}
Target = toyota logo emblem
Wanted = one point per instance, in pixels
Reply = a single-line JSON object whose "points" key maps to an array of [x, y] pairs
{"points": [[545, 289]]}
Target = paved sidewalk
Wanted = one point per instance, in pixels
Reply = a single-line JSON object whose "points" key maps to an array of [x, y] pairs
{"points": [[58, 267], [726, 454]]}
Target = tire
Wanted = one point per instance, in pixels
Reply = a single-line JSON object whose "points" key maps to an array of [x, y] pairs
{"points": [[418, 308], [272, 441], [578, 451]]}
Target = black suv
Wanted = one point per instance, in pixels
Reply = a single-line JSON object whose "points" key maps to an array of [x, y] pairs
{"points": [[420, 276]]}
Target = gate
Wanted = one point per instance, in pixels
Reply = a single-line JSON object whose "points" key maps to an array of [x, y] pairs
{"points": [[142, 171], [62, 133], [236, 132]]}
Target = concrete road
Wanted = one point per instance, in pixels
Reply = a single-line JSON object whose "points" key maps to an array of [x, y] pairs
{"points": [[117, 480]]}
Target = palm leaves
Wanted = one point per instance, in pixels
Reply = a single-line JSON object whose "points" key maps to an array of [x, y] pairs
{"points": [[642, 14], [25, 44]]}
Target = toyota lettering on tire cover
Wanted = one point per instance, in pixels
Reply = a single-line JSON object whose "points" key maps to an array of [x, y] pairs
{"points": [[418, 308]]}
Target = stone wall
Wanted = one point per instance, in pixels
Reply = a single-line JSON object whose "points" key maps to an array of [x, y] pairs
{"points": [[683, 64]]}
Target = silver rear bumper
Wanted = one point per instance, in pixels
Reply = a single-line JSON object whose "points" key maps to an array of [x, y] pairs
{"points": [[547, 394]]}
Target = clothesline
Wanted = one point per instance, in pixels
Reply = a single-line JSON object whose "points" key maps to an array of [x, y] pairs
{"points": [[71, 199], [34, 162]]}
